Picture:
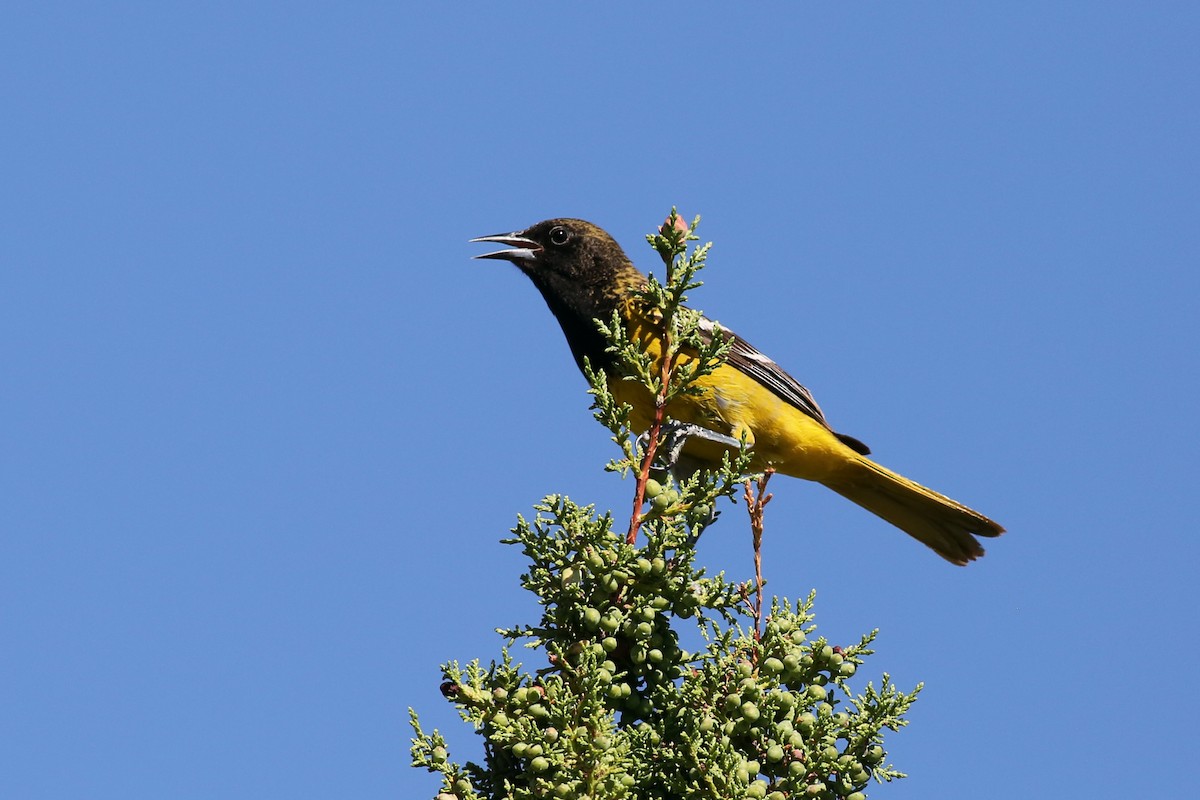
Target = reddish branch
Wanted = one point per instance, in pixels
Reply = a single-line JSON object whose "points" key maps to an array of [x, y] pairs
{"points": [[660, 412], [754, 507], [666, 368]]}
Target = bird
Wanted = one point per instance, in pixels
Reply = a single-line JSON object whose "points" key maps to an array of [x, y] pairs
{"points": [[584, 276]]}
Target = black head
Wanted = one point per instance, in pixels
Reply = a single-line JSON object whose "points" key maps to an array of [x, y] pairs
{"points": [[569, 248], [582, 273]]}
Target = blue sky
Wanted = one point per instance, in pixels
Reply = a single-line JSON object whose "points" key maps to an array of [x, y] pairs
{"points": [[263, 421]]}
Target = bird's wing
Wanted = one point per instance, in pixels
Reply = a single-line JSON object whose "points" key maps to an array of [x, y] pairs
{"points": [[746, 358]]}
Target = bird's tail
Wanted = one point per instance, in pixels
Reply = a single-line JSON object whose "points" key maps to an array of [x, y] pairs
{"points": [[949, 528]]}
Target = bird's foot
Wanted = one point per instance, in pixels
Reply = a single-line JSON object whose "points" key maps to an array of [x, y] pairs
{"points": [[669, 459]]}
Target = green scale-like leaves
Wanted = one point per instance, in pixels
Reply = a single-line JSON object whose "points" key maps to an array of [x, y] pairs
{"points": [[616, 707]]}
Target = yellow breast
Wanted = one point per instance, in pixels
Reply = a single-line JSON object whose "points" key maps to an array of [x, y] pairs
{"points": [[732, 403]]}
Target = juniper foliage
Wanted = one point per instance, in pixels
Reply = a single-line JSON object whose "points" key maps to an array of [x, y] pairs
{"points": [[615, 706]]}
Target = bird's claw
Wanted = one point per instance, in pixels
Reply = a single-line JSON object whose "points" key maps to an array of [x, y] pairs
{"points": [[669, 459]]}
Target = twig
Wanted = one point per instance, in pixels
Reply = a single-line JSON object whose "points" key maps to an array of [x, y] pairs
{"points": [[754, 507], [666, 369], [660, 413]]}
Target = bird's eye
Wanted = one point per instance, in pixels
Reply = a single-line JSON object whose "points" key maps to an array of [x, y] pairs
{"points": [[559, 235]]}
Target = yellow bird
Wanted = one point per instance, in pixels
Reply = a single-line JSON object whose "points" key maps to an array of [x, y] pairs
{"points": [[584, 276]]}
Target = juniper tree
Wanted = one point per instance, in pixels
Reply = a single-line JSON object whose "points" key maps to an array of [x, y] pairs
{"points": [[612, 704]]}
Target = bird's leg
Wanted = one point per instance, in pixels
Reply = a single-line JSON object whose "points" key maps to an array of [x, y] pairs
{"points": [[671, 460]]}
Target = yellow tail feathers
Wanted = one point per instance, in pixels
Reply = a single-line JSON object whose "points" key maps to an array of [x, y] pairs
{"points": [[949, 528]]}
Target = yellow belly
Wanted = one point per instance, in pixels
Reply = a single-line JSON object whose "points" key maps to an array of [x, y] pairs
{"points": [[782, 436]]}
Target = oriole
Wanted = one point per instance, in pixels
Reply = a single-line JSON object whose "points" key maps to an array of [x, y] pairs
{"points": [[584, 276]]}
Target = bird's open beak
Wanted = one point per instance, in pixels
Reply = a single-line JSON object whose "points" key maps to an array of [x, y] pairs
{"points": [[521, 249]]}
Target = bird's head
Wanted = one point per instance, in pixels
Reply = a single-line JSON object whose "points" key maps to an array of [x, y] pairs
{"points": [[581, 272], [566, 256]]}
